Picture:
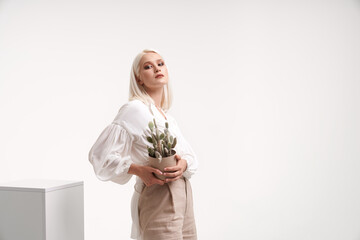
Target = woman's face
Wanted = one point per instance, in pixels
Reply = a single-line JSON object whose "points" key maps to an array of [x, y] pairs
{"points": [[153, 71]]}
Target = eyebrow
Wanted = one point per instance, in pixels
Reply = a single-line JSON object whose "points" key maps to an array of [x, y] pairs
{"points": [[149, 61]]}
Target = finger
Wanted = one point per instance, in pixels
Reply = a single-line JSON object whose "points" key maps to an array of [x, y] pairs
{"points": [[172, 169], [177, 157], [172, 179], [160, 182], [157, 171], [154, 179], [172, 174]]}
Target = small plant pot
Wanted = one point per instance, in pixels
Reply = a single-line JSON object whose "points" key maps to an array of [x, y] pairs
{"points": [[165, 162]]}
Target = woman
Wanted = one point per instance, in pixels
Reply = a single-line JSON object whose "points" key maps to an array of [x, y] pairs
{"points": [[160, 209]]}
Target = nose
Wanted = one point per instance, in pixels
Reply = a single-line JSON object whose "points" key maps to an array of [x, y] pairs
{"points": [[157, 69]]}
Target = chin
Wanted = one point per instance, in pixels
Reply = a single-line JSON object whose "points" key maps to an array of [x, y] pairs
{"points": [[163, 81]]}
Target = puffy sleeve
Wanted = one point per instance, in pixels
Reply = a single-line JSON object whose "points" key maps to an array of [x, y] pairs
{"points": [[111, 154], [184, 149]]}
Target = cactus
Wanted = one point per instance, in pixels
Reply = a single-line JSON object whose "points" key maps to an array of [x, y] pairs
{"points": [[163, 143]]}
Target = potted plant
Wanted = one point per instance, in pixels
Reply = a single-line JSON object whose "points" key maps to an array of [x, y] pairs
{"points": [[162, 152]]}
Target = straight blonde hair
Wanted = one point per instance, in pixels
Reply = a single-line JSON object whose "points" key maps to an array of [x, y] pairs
{"points": [[136, 91]]}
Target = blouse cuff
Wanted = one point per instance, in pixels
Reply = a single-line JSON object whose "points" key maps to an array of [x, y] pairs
{"points": [[127, 164], [190, 170]]}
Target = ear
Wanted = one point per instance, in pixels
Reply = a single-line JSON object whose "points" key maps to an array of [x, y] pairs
{"points": [[138, 80]]}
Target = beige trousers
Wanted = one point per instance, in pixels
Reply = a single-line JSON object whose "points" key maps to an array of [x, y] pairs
{"points": [[166, 211]]}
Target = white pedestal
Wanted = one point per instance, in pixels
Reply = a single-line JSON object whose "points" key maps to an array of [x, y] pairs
{"points": [[42, 210]]}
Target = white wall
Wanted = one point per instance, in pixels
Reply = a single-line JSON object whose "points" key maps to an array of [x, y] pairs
{"points": [[267, 93]]}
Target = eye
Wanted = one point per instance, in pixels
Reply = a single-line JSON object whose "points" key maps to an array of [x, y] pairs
{"points": [[147, 66], [161, 64]]}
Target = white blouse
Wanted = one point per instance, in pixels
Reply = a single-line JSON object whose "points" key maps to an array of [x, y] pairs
{"points": [[123, 142]]}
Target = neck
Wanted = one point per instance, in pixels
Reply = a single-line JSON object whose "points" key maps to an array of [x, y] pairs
{"points": [[156, 95]]}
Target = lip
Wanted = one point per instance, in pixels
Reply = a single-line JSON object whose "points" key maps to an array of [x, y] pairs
{"points": [[159, 75]]}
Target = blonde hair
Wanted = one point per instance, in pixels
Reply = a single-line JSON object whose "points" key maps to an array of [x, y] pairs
{"points": [[136, 91]]}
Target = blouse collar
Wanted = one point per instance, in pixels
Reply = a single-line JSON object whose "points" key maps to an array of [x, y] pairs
{"points": [[153, 108]]}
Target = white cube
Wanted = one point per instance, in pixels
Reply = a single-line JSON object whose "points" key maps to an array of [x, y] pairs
{"points": [[36, 209]]}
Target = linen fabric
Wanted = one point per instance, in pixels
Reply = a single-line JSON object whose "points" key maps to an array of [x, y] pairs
{"points": [[123, 142], [166, 212]]}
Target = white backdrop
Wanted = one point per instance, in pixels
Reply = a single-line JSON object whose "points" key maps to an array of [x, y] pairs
{"points": [[266, 92]]}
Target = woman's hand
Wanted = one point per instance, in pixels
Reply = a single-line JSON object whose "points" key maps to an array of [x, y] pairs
{"points": [[174, 173], [146, 174]]}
